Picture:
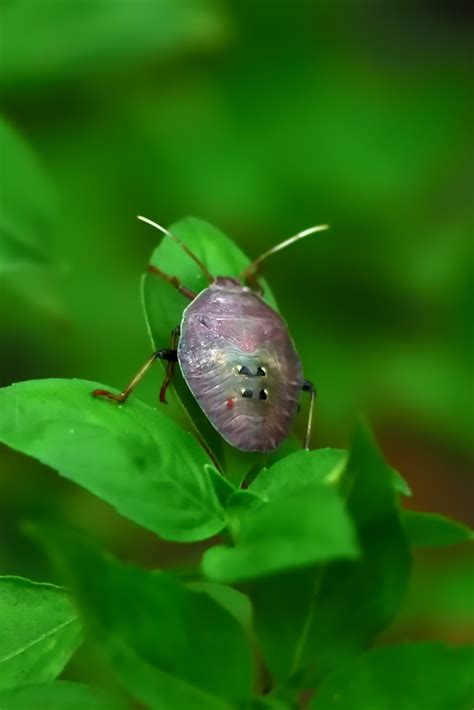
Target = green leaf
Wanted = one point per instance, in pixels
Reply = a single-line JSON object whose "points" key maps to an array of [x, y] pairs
{"points": [[336, 609], [298, 470], [344, 623], [403, 677], [62, 40], [161, 638], [60, 695], [132, 456], [235, 602], [303, 467], [282, 606], [432, 530], [301, 529], [164, 306], [153, 687], [26, 206], [39, 631]]}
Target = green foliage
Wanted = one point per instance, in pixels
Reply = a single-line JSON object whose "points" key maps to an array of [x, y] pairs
{"points": [[60, 695], [26, 207], [312, 561], [299, 470], [330, 613], [430, 530], [183, 634], [39, 632], [266, 121], [405, 677], [133, 457], [299, 530]]}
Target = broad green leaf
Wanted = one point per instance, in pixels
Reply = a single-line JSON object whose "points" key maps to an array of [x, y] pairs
{"points": [[164, 306], [39, 631], [175, 636], [59, 40], [60, 695], [298, 470], [26, 205], [132, 456], [408, 676], [337, 608], [432, 530], [309, 526]]}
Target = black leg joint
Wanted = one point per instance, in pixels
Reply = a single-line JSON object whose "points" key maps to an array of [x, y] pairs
{"points": [[167, 354], [309, 387]]}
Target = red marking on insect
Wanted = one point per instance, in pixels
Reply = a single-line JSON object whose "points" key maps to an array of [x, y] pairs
{"points": [[230, 403]]}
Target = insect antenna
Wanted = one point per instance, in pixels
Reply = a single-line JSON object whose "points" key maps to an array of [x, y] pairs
{"points": [[252, 269], [183, 246]]}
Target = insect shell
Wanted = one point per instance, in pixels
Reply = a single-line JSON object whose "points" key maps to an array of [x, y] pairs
{"points": [[236, 356], [240, 363]]}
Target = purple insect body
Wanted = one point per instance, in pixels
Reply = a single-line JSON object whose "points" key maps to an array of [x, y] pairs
{"points": [[236, 356], [240, 363]]}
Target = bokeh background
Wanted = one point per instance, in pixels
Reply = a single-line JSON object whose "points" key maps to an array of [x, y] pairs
{"points": [[262, 118]]}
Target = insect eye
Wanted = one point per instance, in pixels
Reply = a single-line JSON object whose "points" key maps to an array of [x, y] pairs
{"points": [[248, 394], [263, 394], [261, 372], [244, 370]]}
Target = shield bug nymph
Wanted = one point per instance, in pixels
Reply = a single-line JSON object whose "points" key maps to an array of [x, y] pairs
{"points": [[236, 356]]}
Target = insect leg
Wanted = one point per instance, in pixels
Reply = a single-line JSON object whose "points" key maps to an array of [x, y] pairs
{"points": [[171, 365], [169, 355], [174, 281], [309, 387]]}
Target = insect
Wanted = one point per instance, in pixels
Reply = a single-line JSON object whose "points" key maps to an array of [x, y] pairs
{"points": [[236, 356]]}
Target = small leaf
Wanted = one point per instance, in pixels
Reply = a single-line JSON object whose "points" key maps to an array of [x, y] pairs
{"points": [[298, 470], [27, 205], [132, 456], [39, 631], [309, 526], [399, 483], [408, 676], [170, 637], [164, 306], [432, 530], [60, 695]]}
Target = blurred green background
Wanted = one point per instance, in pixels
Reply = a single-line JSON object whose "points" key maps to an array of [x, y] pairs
{"points": [[262, 118]]}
